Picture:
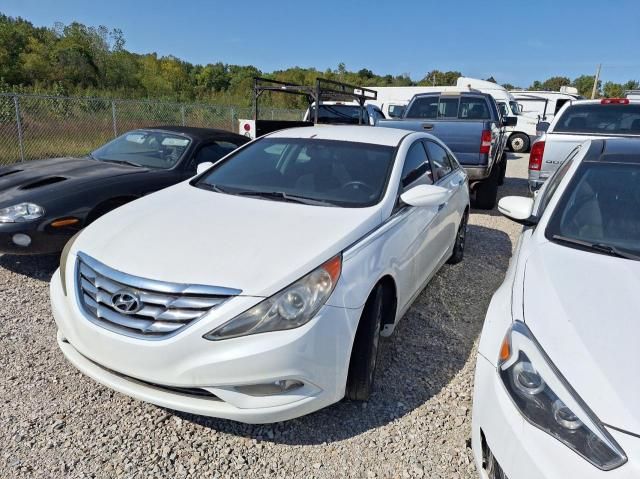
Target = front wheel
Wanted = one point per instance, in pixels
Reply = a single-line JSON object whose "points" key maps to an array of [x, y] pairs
{"points": [[364, 354], [461, 236], [519, 143]]}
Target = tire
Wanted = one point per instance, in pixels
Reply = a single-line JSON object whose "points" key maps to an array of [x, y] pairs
{"points": [[503, 169], [364, 354], [519, 143], [458, 248], [487, 191]]}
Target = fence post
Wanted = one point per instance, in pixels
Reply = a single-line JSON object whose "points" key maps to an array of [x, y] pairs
{"points": [[233, 123], [113, 118], [182, 112], [16, 103]]}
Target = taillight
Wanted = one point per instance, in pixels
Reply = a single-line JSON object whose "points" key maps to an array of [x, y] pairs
{"points": [[614, 101], [485, 141], [535, 157]]}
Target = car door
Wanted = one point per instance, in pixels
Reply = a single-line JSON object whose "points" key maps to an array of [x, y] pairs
{"points": [[447, 174]]}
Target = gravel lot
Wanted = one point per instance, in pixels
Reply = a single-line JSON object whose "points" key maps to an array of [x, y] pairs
{"points": [[54, 422]]}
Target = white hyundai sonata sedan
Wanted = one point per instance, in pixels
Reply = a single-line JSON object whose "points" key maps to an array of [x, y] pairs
{"points": [[557, 389], [257, 291]]}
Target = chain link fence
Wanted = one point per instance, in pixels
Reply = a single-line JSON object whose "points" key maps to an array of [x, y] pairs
{"points": [[42, 126]]}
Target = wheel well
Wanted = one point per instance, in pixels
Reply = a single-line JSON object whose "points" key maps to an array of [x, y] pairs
{"points": [[389, 299], [108, 205]]}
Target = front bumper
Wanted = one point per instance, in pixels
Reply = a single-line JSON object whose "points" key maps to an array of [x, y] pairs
{"points": [[316, 354], [42, 240], [524, 451]]}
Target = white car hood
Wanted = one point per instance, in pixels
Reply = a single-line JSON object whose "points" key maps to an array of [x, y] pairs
{"points": [[184, 234], [584, 309]]}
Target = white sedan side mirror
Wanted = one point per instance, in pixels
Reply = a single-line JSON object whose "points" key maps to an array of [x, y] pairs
{"points": [[518, 209], [202, 167], [425, 195]]}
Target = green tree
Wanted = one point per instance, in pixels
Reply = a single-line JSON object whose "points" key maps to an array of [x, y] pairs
{"points": [[554, 83], [438, 78], [584, 84]]}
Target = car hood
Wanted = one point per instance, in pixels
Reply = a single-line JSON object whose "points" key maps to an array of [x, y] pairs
{"points": [[22, 180], [584, 309], [188, 235]]}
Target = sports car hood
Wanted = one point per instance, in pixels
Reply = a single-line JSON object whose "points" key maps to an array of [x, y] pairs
{"points": [[23, 180], [184, 234], [584, 309]]}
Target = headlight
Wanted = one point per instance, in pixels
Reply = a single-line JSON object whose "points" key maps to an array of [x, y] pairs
{"points": [[290, 308], [548, 401], [20, 213], [63, 261]]}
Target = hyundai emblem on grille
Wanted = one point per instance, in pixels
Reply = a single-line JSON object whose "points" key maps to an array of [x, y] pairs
{"points": [[126, 302]]}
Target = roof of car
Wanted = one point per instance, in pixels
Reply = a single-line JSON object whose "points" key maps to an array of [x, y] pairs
{"points": [[195, 132], [375, 135]]}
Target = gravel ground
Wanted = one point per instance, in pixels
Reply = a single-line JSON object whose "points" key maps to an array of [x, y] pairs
{"points": [[54, 422]]}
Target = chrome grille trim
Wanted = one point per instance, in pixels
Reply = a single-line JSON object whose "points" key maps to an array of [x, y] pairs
{"points": [[166, 308]]}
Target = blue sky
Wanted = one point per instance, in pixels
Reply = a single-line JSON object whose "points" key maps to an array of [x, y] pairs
{"points": [[516, 44]]}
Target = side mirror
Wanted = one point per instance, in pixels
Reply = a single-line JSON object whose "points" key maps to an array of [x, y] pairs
{"points": [[202, 167], [425, 195], [509, 120], [542, 127], [518, 209]]}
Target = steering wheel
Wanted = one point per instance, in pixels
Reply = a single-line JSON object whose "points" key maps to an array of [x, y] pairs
{"points": [[358, 186]]}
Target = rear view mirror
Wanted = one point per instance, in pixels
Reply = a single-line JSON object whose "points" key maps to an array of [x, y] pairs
{"points": [[425, 195], [542, 127], [518, 209], [509, 120], [204, 166]]}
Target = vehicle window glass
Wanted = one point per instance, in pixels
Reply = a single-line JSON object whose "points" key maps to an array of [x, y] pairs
{"points": [[560, 104], [424, 107], [448, 107], [340, 114], [473, 108], [502, 108], [213, 152], [416, 169], [594, 118], [153, 149], [454, 162], [601, 205], [555, 180], [341, 173], [516, 108], [439, 160], [396, 111]]}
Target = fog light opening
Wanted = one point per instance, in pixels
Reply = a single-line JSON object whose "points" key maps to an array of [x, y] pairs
{"points": [[281, 386], [21, 239]]}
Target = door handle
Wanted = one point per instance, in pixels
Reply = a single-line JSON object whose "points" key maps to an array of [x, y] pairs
{"points": [[427, 126], [456, 182]]}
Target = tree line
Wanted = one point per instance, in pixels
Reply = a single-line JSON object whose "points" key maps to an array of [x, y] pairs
{"points": [[77, 59]]}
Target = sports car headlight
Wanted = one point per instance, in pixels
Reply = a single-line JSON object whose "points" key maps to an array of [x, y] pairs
{"points": [[20, 213], [290, 308], [547, 400]]}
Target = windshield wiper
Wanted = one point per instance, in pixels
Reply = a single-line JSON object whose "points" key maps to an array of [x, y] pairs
{"points": [[123, 162], [598, 247], [282, 196], [212, 187]]}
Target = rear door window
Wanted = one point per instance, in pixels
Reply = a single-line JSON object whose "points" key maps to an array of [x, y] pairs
{"points": [[597, 119], [424, 107], [474, 108]]}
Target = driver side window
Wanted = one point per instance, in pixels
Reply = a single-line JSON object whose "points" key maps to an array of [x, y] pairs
{"points": [[416, 169], [212, 152]]}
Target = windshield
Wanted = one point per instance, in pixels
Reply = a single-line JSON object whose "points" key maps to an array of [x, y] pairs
{"points": [[340, 114], [337, 173], [153, 149], [503, 109], [594, 118], [601, 206], [515, 107]]}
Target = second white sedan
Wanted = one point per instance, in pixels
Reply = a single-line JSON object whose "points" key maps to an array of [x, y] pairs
{"points": [[557, 384], [258, 290]]}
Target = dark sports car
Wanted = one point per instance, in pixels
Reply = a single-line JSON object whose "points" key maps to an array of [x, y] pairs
{"points": [[43, 203]]}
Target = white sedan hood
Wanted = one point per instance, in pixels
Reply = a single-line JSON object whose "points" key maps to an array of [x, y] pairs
{"points": [[584, 309], [184, 234]]}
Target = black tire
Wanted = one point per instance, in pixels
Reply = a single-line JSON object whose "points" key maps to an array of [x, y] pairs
{"points": [[364, 354], [487, 191], [519, 143], [503, 169], [461, 236]]}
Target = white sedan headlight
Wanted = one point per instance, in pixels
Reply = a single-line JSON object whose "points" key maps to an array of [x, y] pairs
{"points": [[292, 307], [547, 400], [20, 213]]}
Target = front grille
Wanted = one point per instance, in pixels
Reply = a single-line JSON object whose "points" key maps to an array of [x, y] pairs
{"points": [[161, 308]]}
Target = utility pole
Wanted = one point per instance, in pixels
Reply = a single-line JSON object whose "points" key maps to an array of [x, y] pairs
{"points": [[595, 82]]}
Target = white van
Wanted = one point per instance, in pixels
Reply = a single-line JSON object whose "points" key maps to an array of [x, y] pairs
{"points": [[524, 132], [544, 105]]}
